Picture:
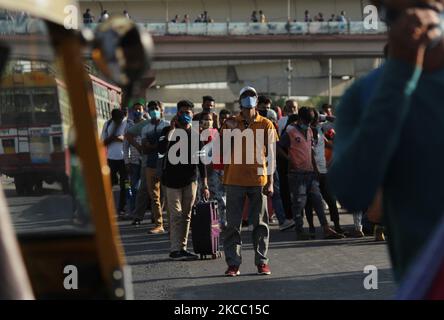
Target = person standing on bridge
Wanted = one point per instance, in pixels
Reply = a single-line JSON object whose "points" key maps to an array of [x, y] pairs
{"points": [[253, 17], [104, 16], [252, 180], [88, 18], [262, 18]]}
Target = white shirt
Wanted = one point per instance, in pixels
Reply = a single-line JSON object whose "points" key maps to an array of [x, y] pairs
{"points": [[281, 124], [148, 130], [132, 155], [115, 150], [319, 149]]}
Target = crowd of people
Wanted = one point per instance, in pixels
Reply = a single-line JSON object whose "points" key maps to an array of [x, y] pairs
{"points": [[89, 18], [256, 17], [381, 169], [138, 143], [320, 17]]}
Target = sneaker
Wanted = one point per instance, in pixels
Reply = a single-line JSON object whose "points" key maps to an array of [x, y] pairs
{"points": [[273, 221], [183, 255], [136, 222], [331, 234], [379, 233], [232, 271], [288, 224], [263, 269], [355, 234], [157, 230], [338, 229]]}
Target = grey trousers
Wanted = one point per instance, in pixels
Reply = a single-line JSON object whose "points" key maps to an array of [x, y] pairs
{"points": [[259, 215]]}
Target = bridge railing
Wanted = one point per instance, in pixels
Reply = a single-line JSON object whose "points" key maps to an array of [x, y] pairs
{"points": [[22, 26], [275, 28], [36, 26]]}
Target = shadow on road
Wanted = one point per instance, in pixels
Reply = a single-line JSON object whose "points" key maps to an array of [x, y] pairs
{"points": [[336, 286]]}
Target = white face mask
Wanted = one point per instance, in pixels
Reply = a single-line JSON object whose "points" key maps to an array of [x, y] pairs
{"points": [[248, 102]]}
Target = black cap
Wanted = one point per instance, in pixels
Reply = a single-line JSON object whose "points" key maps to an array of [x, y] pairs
{"points": [[208, 98]]}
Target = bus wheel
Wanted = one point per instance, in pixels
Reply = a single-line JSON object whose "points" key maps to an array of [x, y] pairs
{"points": [[38, 186], [29, 187], [19, 185]]}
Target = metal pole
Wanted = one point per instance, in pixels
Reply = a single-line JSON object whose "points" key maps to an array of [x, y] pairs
{"points": [[167, 12], [288, 10], [330, 80], [289, 80]]}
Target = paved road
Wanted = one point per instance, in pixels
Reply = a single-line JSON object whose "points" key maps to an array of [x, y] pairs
{"points": [[318, 269], [49, 211]]}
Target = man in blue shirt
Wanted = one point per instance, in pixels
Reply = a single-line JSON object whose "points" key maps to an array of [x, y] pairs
{"points": [[386, 144]]}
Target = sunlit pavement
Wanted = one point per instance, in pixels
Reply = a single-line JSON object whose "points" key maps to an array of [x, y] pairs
{"points": [[318, 269]]}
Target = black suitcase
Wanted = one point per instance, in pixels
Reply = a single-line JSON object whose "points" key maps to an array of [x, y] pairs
{"points": [[205, 230]]}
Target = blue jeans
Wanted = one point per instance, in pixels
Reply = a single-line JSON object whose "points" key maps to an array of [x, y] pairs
{"points": [[302, 184], [135, 182]]}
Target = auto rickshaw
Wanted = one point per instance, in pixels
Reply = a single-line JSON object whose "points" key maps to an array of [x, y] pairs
{"points": [[54, 244]]}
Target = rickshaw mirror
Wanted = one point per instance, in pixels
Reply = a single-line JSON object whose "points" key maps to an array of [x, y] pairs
{"points": [[122, 51]]}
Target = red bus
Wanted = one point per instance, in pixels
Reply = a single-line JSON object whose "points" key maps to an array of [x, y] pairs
{"points": [[35, 124]]}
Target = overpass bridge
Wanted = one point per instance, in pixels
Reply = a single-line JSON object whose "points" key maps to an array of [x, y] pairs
{"points": [[240, 53], [229, 41]]}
